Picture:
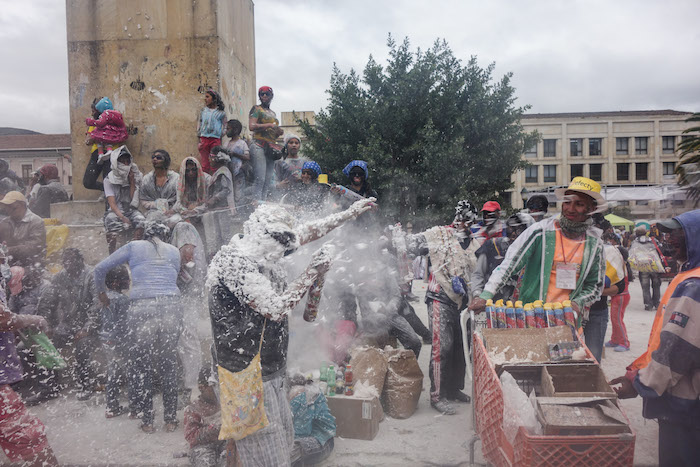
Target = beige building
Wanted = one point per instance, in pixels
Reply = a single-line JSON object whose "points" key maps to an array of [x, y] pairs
{"points": [[26, 153], [631, 153], [288, 121], [155, 59]]}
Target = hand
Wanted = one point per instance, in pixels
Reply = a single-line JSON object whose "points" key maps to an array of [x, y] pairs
{"points": [[361, 206], [132, 176], [576, 308], [626, 389], [322, 259], [41, 324], [667, 269], [126, 220], [477, 305], [104, 298]]}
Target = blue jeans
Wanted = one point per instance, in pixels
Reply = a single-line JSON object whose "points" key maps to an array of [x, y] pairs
{"points": [[155, 325], [594, 331], [118, 372], [262, 172]]}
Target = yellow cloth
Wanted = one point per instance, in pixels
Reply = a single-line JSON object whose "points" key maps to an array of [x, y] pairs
{"points": [[242, 402]]}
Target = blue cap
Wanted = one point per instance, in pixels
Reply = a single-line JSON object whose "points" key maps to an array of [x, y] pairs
{"points": [[356, 163], [104, 104], [311, 165]]}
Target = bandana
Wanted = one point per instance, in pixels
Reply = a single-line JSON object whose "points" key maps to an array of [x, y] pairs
{"points": [[575, 227]]}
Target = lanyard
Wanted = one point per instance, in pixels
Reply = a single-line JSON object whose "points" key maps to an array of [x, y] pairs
{"points": [[563, 253]]}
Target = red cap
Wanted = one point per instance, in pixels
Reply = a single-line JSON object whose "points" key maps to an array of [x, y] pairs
{"points": [[265, 88], [491, 206]]}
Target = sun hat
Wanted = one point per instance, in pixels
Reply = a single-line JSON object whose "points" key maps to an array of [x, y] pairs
{"points": [[587, 187]]}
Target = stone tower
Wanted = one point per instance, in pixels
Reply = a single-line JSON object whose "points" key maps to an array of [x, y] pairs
{"points": [[155, 59]]}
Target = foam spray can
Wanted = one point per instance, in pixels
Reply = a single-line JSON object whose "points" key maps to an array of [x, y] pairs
{"points": [[314, 298], [558, 314], [519, 315], [500, 314], [510, 316], [549, 315], [569, 316], [490, 318], [540, 318], [529, 316]]}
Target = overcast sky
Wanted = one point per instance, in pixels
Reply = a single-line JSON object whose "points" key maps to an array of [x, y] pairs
{"points": [[565, 55]]}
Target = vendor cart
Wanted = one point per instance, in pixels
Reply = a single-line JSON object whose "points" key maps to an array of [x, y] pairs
{"points": [[528, 449]]}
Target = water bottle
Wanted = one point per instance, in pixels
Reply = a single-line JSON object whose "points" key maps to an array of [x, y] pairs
{"points": [[558, 314], [510, 315], [519, 315], [540, 318], [324, 372], [529, 316], [490, 315], [500, 314], [549, 315]]}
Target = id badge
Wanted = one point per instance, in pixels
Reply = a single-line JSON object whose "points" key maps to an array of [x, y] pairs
{"points": [[566, 276]]}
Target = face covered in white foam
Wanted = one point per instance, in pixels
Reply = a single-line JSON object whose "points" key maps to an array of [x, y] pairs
{"points": [[270, 232]]}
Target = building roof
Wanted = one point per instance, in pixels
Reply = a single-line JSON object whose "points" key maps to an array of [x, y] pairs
{"points": [[618, 113], [6, 130], [37, 141]]}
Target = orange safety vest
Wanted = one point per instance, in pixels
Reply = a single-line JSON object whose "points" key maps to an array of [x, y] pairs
{"points": [[655, 336]]}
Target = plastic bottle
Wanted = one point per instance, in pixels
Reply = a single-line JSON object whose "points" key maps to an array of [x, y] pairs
{"points": [[529, 316], [549, 315], [569, 316], [490, 315], [324, 372], [331, 380], [500, 314], [519, 315], [348, 381], [540, 318], [558, 314], [510, 316]]}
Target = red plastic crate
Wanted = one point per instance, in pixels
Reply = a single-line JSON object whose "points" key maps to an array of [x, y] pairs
{"points": [[529, 450]]}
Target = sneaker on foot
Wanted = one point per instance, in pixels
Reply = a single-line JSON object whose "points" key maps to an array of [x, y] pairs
{"points": [[621, 348], [460, 397], [443, 407], [84, 395], [147, 428], [115, 413], [610, 344], [170, 427]]}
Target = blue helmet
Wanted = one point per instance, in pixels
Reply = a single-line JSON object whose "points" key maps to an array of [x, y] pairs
{"points": [[104, 104], [356, 163], [311, 165]]}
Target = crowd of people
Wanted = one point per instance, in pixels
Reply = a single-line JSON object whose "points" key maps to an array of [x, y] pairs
{"points": [[128, 326]]}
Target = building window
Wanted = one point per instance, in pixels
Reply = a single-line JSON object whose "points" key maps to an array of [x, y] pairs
{"points": [[623, 203], [531, 174], [641, 171], [623, 172], [595, 146], [677, 202], [576, 170], [642, 203], [550, 173], [532, 152], [550, 148], [622, 146], [27, 170], [641, 144], [595, 172], [669, 169], [70, 179], [668, 144], [576, 145]]}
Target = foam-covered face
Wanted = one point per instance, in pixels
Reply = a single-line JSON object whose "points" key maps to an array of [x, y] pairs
{"points": [[272, 228], [490, 217]]}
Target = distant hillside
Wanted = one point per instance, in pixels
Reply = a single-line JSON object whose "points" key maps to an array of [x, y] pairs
{"points": [[4, 131]]}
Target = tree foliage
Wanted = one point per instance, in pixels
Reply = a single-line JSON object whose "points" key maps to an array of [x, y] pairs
{"points": [[688, 169], [432, 129]]}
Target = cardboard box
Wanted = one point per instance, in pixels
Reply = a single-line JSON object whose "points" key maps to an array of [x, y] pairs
{"points": [[576, 380], [580, 416], [356, 418], [516, 346]]}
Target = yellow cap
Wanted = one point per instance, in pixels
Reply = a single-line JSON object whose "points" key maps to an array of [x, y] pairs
{"points": [[518, 304], [557, 306], [566, 303], [323, 178], [537, 303], [509, 304], [586, 186], [528, 306], [489, 302], [547, 306], [499, 302]]}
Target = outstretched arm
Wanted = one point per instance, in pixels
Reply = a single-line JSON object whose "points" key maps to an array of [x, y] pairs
{"points": [[13, 322], [316, 229]]}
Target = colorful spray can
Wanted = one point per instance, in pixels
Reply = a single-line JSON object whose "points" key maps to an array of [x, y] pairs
{"points": [[490, 315], [510, 315], [558, 314], [519, 315], [500, 314], [569, 315], [549, 315], [529, 316], [540, 318], [313, 299]]}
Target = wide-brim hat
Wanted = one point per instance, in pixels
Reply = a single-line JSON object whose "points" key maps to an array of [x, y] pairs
{"points": [[669, 225], [587, 187]]}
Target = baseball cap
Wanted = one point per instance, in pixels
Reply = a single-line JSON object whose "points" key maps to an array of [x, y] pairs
{"points": [[667, 225], [491, 206], [13, 197]]}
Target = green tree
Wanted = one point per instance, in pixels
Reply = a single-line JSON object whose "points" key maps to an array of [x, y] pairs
{"points": [[688, 169], [432, 129]]}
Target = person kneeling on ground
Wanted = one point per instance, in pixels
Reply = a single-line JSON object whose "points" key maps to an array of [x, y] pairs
{"points": [[314, 426], [202, 424]]}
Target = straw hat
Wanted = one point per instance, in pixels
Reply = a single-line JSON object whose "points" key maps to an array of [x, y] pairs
{"points": [[587, 187]]}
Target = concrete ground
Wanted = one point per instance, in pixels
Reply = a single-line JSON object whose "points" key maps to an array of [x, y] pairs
{"points": [[80, 435]]}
